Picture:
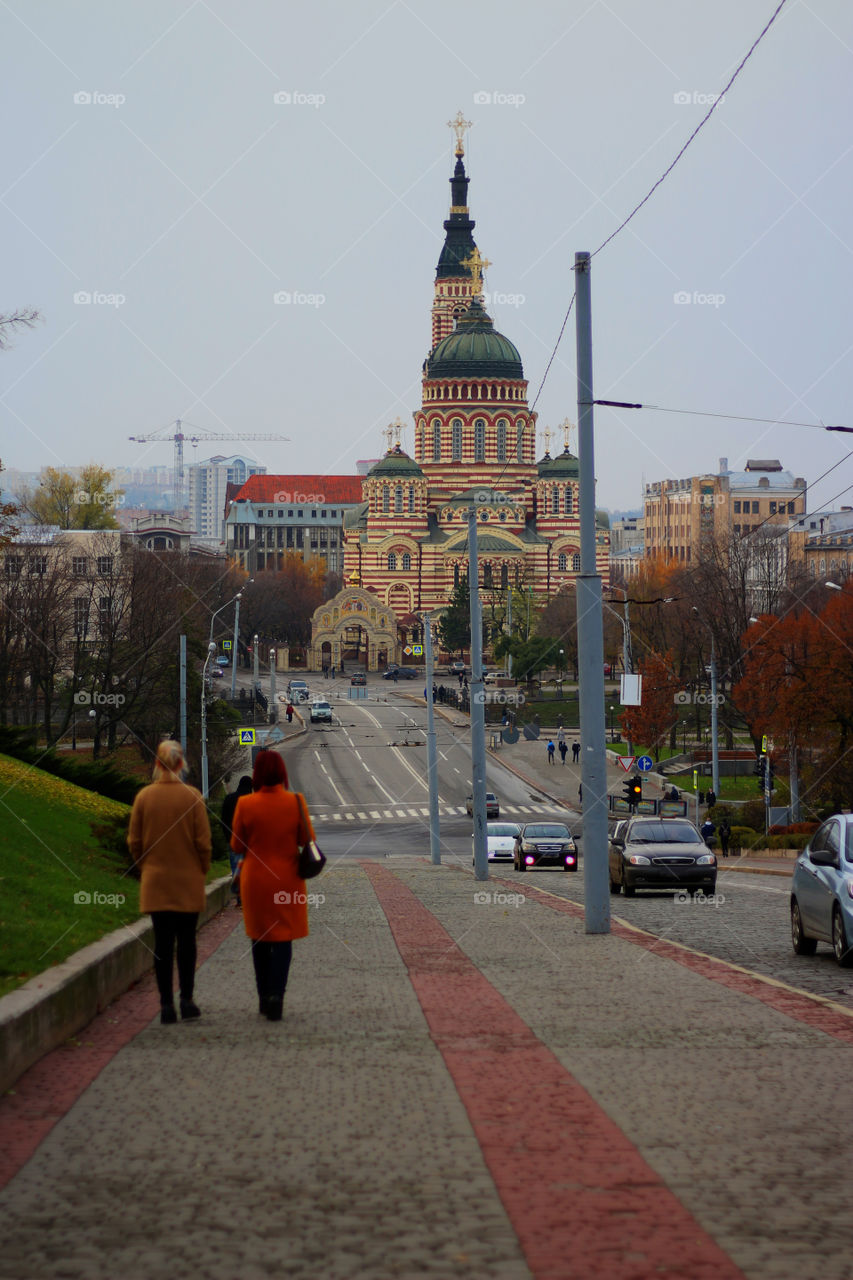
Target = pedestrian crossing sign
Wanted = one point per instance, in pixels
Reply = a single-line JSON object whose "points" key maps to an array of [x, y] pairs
{"points": [[246, 737], [417, 650], [226, 645]]}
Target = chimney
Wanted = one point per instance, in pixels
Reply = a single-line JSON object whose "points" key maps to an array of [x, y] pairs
{"points": [[724, 466]]}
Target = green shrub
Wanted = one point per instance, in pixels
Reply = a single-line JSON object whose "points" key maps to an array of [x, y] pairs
{"points": [[98, 776]]}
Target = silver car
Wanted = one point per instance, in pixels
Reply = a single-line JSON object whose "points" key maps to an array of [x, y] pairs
{"points": [[822, 891]]}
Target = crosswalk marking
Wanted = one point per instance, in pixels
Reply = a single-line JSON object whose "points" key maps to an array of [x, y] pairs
{"points": [[548, 811]]}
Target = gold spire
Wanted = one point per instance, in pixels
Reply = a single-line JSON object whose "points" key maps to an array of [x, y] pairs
{"points": [[566, 427], [459, 124], [477, 266]]}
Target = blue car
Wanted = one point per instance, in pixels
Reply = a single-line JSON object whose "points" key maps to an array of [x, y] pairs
{"points": [[822, 891]]}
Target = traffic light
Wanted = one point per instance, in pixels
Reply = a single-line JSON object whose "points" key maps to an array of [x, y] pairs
{"points": [[629, 790], [760, 769], [636, 789]]}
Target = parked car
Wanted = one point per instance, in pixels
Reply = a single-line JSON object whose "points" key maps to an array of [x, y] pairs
{"points": [[457, 668], [660, 853], [545, 844], [822, 891], [321, 712], [500, 841], [358, 678], [493, 809], [407, 673], [223, 662], [297, 691]]}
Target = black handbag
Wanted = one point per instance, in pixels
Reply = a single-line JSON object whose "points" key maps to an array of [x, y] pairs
{"points": [[312, 860]]}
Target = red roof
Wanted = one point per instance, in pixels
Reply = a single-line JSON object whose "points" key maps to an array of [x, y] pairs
{"points": [[326, 490]]}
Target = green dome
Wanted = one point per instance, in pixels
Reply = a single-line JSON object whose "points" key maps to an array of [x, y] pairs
{"points": [[474, 350], [564, 467], [395, 465]]}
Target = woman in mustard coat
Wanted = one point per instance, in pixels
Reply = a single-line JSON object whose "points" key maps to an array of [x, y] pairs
{"points": [[269, 829], [169, 839]]}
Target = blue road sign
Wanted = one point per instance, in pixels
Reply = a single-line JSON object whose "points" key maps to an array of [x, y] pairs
{"points": [[644, 763]]}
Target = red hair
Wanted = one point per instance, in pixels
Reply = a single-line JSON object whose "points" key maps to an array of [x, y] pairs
{"points": [[269, 770]]}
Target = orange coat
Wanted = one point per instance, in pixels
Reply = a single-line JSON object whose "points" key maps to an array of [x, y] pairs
{"points": [[268, 832], [169, 838]]}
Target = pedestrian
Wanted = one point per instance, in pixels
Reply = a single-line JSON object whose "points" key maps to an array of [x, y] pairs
{"points": [[395, 675], [288, 711], [725, 834], [673, 793], [434, 691], [564, 751], [712, 799], [580, 793], [333, 670], [270, 828], [576, 752], [229, 804], [707, 831], [169, 840], [550, 751], [461, 677], [561, 738]]}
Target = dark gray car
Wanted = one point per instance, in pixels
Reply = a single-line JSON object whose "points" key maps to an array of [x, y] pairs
{"points": [[661, 853]]}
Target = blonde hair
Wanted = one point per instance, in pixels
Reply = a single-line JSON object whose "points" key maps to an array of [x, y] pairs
{"points": [[170, 763]]}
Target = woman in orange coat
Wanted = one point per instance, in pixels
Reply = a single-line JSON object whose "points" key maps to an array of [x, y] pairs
{"points": [[269, 828], [169, 838]]}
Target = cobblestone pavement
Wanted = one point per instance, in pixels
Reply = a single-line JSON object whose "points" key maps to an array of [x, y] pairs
{"points": [[464, 1084]]}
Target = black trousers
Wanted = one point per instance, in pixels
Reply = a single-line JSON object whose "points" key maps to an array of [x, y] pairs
{"points": [[272, 965], [173, 928]]}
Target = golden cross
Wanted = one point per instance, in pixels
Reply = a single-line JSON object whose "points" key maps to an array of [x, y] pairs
{"points": [[397, 428], [388, 435], [459, 125], [546, 436], [477, 266], [566, 427]]}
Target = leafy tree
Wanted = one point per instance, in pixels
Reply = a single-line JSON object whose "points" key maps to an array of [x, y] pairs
{"points": [[533, 655], [454, 625], [73, 502], [279, 603], [9, 528], [652, 721]]}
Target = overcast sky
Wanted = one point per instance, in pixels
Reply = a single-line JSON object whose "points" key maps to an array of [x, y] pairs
{"points": [[148, 165]]}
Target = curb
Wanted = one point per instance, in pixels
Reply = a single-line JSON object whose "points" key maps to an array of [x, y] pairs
{"points": [[56, 1004]]}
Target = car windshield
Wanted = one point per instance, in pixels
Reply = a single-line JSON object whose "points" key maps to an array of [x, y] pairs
{"points": [[545, 830], [502, 829], [664, 833]]}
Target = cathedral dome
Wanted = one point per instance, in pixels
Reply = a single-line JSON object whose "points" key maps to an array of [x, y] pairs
{"points": [[396, 465], [475, 349], [564, 467]]}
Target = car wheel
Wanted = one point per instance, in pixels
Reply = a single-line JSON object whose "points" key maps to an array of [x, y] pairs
{"points": [[614, 887], [628, 889], [802, 945], [843, 952]]}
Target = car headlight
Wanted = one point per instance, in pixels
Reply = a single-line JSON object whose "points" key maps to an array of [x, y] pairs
{"points": [[528, 848], [850, 888], [706, 860], [637, 860]]}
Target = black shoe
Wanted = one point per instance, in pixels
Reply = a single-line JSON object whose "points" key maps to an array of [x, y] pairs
{"points": [[167, 1014], [273, 1009], [262, 1005], [189, 1010]]}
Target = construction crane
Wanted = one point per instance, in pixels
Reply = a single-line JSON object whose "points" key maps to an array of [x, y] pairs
{"points": [[179, 437]]}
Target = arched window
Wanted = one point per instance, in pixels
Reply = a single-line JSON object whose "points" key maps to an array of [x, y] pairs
{"points": [[555, 500], [822, 566], [487, 577], [501, 441], [456, 441], [576, 563], [407, 562], [519, 441], [479, 440], [411, 498], [386, 499], [570, 500], [832, 566], [456, 575], [562, 562], [504, 576], [436, 442], [392, 561], [398, 499]]}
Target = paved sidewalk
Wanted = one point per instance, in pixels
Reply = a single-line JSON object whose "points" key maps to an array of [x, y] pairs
{"points": [[464, 1085]]}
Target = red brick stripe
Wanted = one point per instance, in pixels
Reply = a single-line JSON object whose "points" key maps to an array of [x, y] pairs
{"points": [[793, 1004], [49, 1089], [580, 1197]]}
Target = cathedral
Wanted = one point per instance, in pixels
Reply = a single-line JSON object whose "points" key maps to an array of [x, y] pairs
{"points": [[406, 543]]}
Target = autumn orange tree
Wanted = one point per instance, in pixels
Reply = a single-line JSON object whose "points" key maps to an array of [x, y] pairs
{"points": [[651, 722]]}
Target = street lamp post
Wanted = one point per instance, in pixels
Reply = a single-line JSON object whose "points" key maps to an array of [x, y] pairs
{"points": [[715, 748], [236, 642], [611, 726], [211, 649]]}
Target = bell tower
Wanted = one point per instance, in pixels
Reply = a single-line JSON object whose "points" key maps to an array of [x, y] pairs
{"points": [[454, 281]]}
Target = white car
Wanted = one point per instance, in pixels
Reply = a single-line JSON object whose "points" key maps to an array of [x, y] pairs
{"points": [[321, 711], [500, 841], [297, 691]]}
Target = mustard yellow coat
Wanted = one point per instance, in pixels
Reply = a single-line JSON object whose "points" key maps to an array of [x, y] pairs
{"points": [[169, 839]]}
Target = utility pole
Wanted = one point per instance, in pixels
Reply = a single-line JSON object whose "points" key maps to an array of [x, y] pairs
{"points": [[432, 754], [478, 709], [234, 650], [272, 709], [590, 632], [509, 628], [182, 695]]}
